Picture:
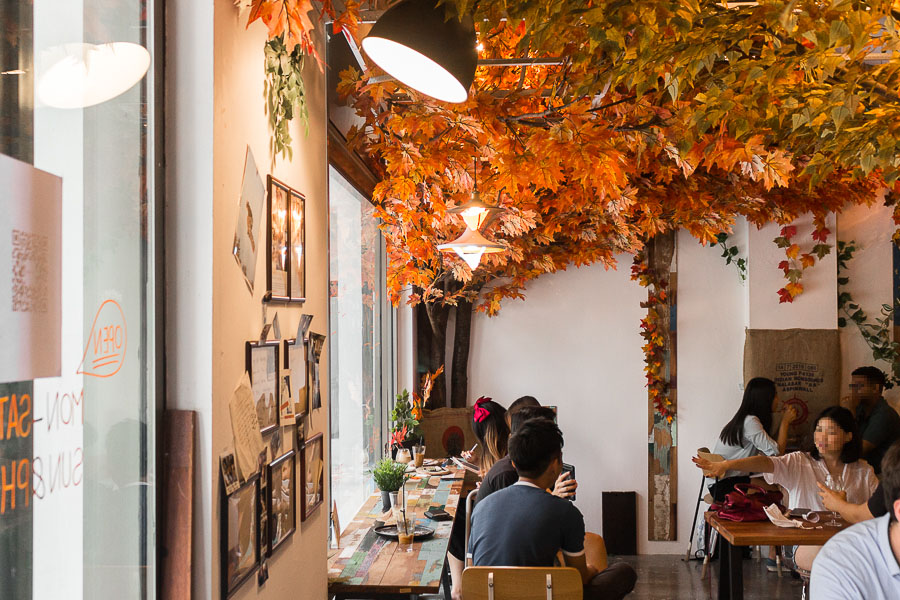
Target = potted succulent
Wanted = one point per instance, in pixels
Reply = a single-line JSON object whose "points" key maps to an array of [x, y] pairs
{"points": [[389, 476]]}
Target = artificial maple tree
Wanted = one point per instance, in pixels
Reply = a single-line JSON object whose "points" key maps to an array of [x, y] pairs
{"points": [[659, 115]]}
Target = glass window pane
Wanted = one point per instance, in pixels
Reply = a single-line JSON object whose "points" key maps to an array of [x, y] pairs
{"points": [[77, 101], [360, 345]]}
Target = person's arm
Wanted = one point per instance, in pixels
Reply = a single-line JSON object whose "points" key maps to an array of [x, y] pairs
{"points": [[579, 562], [753, 464], [790, 415], [867, 448], [852, 513]]}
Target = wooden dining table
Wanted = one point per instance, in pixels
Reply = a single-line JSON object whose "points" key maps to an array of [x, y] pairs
{"points": [[367, 565], [734, 535]]}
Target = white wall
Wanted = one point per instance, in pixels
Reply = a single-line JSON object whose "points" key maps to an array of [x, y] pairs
{"points": [[215, 109], [575, 342]]}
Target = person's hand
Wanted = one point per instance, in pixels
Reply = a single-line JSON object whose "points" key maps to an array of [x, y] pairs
{"points": [[850, 403], [467, 455], [790, 415], [711, 469], [565, 486], [834, 501]]}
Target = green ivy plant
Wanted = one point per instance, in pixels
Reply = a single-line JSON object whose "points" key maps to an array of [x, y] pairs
{"points": [[878, 334], [285, 94], [730, 254]]}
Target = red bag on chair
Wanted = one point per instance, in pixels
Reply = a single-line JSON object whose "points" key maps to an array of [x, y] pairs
{"points": [[747, 503]]}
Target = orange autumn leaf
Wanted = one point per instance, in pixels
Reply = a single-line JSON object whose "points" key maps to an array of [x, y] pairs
{"points": [[792, 251], [807, 260]]}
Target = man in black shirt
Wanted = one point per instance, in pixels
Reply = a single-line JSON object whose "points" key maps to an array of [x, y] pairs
{"points": [[879, 423]]}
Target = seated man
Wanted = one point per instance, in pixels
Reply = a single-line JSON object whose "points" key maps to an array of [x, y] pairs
{"points": [[503, 474], [879, 423], [525, 526], [862, 562]]}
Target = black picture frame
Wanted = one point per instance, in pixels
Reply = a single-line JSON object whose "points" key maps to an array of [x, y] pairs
{"points": [[289, 345], [248, 492], [285, 243], [273, 506], [309, 500], [270, 408]]}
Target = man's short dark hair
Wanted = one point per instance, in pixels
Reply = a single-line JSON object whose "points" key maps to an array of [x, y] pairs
{"points": [[527, 413], [524, 401], [873, 375], [890, 477], [536, 444]]}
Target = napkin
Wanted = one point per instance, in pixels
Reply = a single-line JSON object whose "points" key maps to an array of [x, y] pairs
{"points": [[778, 518]]}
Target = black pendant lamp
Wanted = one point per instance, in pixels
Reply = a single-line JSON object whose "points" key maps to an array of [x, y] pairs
{"points": [[423, 47]]}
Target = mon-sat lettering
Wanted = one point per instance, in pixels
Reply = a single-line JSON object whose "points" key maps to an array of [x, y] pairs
{"points": [[14, 416]]}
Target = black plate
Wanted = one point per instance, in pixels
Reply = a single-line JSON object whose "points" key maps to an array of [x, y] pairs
{"points": [[390, 531]]}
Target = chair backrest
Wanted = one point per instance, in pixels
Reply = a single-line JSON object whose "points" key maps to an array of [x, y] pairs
{"points": [[521, 583], [470, 505]]}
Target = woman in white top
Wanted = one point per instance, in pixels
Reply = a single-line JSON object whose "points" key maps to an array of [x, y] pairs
{"points": [[835, 453], [747, 433]]}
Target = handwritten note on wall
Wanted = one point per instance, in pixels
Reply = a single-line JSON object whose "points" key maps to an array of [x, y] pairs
{"points": [[248, 442]]}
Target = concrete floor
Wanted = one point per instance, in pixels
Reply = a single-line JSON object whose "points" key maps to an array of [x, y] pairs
{"points": [[663, 577]]}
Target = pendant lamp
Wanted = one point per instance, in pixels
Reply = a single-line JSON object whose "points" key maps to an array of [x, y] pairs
{"points": [[475, 212], [470, 247], [418, 44], [82, 75]]}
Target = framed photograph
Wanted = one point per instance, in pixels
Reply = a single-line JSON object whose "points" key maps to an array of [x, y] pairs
{"points": [[295, 360], [312, 475], [285, 243], [240, 535], [263, 366], [297, 261], [281, 501]]}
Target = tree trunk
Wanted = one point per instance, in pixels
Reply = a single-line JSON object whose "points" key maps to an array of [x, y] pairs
{"points": [[462, 337], [437, 318]]}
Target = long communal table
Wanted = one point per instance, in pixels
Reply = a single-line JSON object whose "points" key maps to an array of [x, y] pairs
{"points": [[367, 565]]}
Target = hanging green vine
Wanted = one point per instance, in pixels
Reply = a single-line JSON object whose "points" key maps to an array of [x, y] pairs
{"points": [[878, 334], [285, 95], [730, 254]]}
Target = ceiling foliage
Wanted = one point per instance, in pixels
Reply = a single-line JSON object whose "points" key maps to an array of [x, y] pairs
{"points": [[651, 116]]}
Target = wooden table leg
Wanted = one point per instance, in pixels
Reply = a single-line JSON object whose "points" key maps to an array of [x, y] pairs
{"points": [[736, 571], [724, 569]]}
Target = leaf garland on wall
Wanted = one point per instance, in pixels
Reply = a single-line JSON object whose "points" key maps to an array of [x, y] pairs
{"points": [[652, 333], [285, 94]]}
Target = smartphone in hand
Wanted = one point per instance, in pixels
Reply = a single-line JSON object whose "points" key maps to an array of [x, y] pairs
{"points": [[570, 469]]}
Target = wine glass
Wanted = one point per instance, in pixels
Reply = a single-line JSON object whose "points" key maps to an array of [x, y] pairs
{"points": [[835, 484]]}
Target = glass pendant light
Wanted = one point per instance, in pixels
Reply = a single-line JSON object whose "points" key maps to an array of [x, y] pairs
{"points": [[471, 246]]}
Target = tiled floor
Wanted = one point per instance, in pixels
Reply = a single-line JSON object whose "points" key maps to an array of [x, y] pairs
{"points": [[662, 577]]}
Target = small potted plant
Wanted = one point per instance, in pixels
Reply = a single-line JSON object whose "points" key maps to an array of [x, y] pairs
{"points": [[405, 418], [389, 477]]}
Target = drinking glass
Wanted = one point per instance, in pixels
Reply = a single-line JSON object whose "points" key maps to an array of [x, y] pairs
{"points": [[418, 455], [835, 484], [405, 528]]}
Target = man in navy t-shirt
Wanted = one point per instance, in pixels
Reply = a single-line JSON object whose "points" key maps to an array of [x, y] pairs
{"points": [[525, 526]]}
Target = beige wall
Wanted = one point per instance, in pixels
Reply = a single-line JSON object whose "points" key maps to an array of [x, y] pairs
{"points": [[232, 98]]}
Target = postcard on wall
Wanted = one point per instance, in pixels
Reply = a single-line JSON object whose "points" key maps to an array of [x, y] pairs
{"points": [[262, 361], [30, 272], [250, 217], [230, 477], [248, 442], [286, 411], [316, 344]]}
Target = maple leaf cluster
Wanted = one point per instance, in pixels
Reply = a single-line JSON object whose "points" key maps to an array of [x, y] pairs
{"points": [[654, 334]]}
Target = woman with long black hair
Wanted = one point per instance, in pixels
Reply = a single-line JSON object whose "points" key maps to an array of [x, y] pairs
{"points": [[747, 433]]}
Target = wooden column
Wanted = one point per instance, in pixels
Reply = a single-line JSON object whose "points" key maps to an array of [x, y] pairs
{"points": [[663, 442]]}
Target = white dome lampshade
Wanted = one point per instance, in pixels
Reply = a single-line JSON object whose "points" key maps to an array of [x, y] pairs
{"points": [[475, 212], [419, 45], [471, 246], [82, 75]]}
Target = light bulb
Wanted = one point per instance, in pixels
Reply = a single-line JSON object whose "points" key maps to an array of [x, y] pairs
{"points": [[474, 217], [472, 256]]}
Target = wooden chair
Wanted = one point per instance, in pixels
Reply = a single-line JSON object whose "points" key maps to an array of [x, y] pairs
{"points": [[521, 583]]}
